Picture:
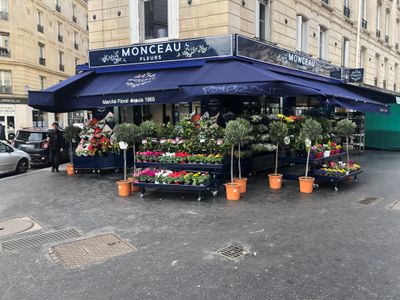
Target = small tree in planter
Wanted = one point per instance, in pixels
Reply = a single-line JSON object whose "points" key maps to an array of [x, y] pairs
{"points": [[71, 135], [310, 132], [124, 134], [278, 132], [231, 138], [243, 133], [346, 128]]}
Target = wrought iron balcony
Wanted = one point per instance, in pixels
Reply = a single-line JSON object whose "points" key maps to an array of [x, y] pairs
{"points": [[375, 81], [4, 15], [76, 46], [378, 33], [42, 61], [5, 89], [58, 8], [396, 46], [386, 39], [4, 52], [346, 11], [384, 84], [325, 1], [61, 68], [40, 28], [60, 38], [364, 23], [74, 19]]}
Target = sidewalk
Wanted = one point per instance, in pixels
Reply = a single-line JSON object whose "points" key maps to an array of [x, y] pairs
{"points": [[318, 246]]}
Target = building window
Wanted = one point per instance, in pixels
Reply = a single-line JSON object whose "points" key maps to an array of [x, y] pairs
{"points": [[59, 31], [76, 117], [377, 69], [362, 57], [40, 118], [364, 23], [323, 42], [346, 8], [387, 29], [4, 44], [76, 46], [385, 72], [302, 34], [4, 10], [263, 22], [58, 5], [345, 52], [42, 59], [61, 60], [5, 82], [396, 76], [42, 80], [74, 19], [40, 27], [378, 19]]}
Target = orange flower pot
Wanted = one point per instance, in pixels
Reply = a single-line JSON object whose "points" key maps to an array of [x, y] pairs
{"points": [[242, 183], [275, 181], [232, 191], [134, 188], [306, 184], [70, 169], [124, 188]]}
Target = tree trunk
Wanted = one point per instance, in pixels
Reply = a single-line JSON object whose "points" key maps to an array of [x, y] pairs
{"points": [[239, 163], [125, 164], [347, 152], [232, 164], [71, 156], [134, 158], [276, 158], [308, 160]]}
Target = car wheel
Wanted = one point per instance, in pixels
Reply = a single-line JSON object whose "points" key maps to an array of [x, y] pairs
{"points": [[22, 166]]}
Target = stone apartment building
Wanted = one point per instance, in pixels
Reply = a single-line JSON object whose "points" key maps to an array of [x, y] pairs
{"points": [[350, 33], [41, 42]]}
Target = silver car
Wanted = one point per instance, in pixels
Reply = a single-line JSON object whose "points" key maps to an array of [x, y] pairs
{"points": [[12, 159]]}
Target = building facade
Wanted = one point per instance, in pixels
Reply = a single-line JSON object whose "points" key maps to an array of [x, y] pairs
{"points": [[350, 33], [41, 42]]}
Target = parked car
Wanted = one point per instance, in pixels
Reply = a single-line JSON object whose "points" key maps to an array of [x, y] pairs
{"points": [[34, 142], [12, 159]]}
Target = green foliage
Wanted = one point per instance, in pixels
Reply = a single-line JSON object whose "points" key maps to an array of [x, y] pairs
{"points": [[278, 131], [345, 128], [231, 136], [244, 130], [311, 129], [71, 133], [149, 129], [128, 133]]}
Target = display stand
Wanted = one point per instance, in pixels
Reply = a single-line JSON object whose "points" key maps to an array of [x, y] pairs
{"points": [[97, 164], [313, 163], [216, 172]]}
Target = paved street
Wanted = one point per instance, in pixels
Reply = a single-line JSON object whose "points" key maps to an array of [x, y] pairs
{"points": [[319, 246]]}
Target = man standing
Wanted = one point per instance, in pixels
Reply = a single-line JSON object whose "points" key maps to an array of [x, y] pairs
{"points": [[2, 132], [56, 144]]}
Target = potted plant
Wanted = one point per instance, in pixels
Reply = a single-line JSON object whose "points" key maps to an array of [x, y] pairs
{"points": [[124, 134], [310, 132], [278, 132], [135, 135], [231, 139], [346, 128], [243, 133], [71, 135]]}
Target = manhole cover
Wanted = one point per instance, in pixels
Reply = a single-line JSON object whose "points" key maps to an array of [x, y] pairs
{"points": [[78, 254], [232, 252], [368, 200], [19, 225], [39, 239]]}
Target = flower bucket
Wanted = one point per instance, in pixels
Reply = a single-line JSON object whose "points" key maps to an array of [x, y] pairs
{"points": [[134, 188], [319, 155], [70, 170], [333, 152], [242, 183], [124, 188], [232, 191], [275, 181], [306, 184], [327, 153]]}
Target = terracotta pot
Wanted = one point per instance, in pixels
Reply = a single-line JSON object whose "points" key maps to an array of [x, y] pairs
{"points": [[306, 184], [124, 188], [275, 181], [70, 169], [242, 183], [134, 188], [232, 191]]}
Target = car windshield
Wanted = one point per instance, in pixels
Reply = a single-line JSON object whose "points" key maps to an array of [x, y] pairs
{"points": [[28, 136]]}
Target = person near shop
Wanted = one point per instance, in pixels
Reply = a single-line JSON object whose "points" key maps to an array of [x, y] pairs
{"points": [[56, 146], [2, 132]]}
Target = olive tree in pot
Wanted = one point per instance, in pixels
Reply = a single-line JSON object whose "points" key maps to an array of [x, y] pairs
{"points": [[71, 135], [310, 132], [346, 128], [232, 139], [124, 134], [278, 131], [243, 134], [136, 136]]}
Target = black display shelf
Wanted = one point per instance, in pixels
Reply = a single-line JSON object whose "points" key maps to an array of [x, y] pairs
{"points": [[337, 179], [188, 167]]}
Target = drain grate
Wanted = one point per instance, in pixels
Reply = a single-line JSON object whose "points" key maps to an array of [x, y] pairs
{"points": [[39, 239], [368, 200], [84, 252], [232, 252]]}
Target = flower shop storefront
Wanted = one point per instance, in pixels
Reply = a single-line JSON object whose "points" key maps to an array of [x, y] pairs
{"points": [[193, 89]]}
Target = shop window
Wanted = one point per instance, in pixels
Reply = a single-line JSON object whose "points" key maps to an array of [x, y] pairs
{"points": [[40, 118], [345, 52], [42, 80], [5, 82], [323, 42], [4, 10], [263, 22], [4, 44], [302, 34], [76, 117]]}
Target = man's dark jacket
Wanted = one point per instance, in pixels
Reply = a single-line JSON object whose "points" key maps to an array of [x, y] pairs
{"points": [[56, 141]]}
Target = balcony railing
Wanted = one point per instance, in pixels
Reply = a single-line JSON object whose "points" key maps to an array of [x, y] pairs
{"points": [[5, 89], [375, 81], [58, 8], [60, 38], [74, 19], [384, 84], [378, 33], [61, 67], [386, 39], [346, 11], [364, 23], [4, 15], [42, 61], [76, 46], [40, 28], [396, 46], [4, 52]]}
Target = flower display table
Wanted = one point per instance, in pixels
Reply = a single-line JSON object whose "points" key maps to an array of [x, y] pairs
{"points": [[336, 179], [96, 164]]}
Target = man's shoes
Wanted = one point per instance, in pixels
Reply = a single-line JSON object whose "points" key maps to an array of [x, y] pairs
{"points": [[52, 170], [57, 171]]}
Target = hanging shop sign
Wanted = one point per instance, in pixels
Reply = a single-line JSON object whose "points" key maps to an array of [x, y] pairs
{"points": [[355, 75], [13, 101], [265, 52], [217, 46]]}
